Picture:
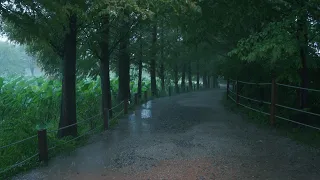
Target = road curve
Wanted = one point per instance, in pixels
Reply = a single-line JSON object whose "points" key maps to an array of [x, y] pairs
{"points": [[188, 137]]}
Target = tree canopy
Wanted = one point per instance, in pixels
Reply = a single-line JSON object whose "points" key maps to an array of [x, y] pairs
{"points": [[174, 41]]}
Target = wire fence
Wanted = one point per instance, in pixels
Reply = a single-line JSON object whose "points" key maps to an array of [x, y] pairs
{"points": [[117, 105], [255, 100], [273, 103], [56, 130], [18, 142], [296, 87], [19, 163]]}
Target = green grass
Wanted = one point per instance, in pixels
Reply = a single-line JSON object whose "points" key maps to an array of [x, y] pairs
{"points": [[298, 133]]}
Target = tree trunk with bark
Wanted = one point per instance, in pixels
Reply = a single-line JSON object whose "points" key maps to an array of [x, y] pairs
{"points": [[124, 63], [140, 66], [190, 77], [198, 74], [198, 70], [68, 102], [161, 74], [105, 70], [204, 81], [183, 79], [153, 62], [176, 79], [302, 38]]}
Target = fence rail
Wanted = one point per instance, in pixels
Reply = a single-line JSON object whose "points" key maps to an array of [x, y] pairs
{"points": [[272, 104], [4, 170], [18, 142], [19, 163]]}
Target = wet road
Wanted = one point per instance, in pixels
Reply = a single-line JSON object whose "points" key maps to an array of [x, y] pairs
{"points": [[189, 136]]}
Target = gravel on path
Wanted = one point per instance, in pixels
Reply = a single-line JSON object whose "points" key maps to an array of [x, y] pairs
{"points": [[189, 137]]}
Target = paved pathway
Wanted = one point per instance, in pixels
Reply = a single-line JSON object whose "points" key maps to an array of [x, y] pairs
{"points": [[187, 137]]}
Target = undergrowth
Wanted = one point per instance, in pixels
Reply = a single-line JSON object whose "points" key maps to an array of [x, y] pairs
{"points": [[30, 104]]}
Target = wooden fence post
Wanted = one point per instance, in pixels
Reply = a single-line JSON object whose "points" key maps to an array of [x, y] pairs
{"points": [[237, 92], [228, 86], [273, 102], [105, 115], [43, 146]]}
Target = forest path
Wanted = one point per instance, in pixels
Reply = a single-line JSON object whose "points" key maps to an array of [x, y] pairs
{"points": [[188, 136]]}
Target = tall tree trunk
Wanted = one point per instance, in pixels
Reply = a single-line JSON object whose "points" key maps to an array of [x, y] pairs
{"points": [[215, 81], [190, 77], [153, 62], [104, 70], [183, 79], [198, 75], [124, 64], [204, 80], [140, 66], [68, 103], [176, 78], [302, 38], [162, 76], [162, 59], [198, 70]]}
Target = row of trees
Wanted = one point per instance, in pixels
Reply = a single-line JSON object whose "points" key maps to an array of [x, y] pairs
{"points": [[175, 41], [89, 38]]}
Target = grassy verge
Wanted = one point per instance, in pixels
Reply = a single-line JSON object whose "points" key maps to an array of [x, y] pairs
{"points": [[298, 133], [19, 152]]}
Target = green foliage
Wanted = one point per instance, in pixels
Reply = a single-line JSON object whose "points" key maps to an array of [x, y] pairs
{"points": [[29, 104], [248, 40]]}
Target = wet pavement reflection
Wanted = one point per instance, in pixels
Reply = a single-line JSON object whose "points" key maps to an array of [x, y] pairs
{"points": [[170, 137]]}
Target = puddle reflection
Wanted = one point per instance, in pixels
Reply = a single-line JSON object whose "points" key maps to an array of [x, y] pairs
{"points": [[137, 121], [146, 113], [147, 105]]}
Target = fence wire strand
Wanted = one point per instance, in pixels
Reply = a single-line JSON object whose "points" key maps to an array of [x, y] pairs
{"points": [[232, 92], [117, 115], [302, 124], [19, 163], [251, 83], [299, 110], [79, 122], [255, 100], [18, 142], [296, 87], [86, 133], [117, 105], [254, 109], [31, 137], [232, 99], [286, 107]]}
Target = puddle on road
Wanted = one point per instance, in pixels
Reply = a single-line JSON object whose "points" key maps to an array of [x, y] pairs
{"points": [[147, 105], [146, 113], [137, 121]]}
